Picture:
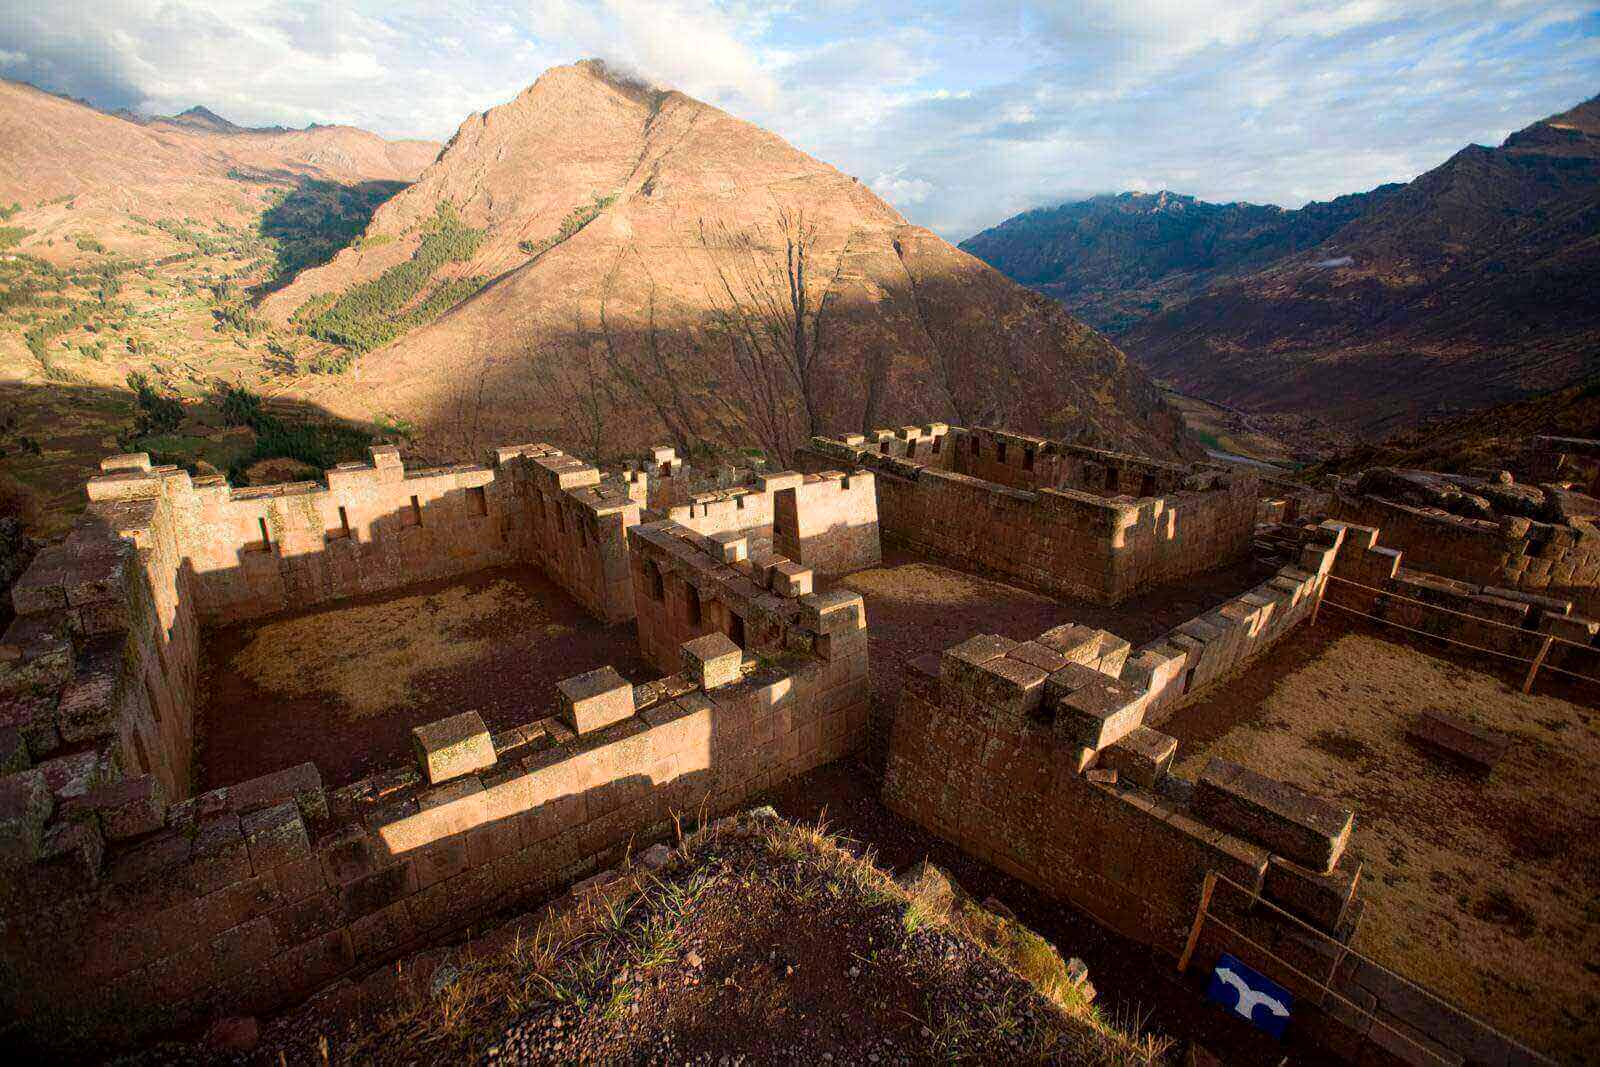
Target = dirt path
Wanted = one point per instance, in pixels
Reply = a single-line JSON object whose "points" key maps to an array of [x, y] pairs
{"points": [[915, 605]]}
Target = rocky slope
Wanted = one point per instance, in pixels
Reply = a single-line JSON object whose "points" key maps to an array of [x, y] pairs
{"points": [[1471, 285], [632, 244]]}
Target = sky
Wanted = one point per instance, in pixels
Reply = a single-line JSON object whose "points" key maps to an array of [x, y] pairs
{"points": [[959, 114]]}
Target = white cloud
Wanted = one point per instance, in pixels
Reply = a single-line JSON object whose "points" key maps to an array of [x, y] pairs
{"points": [[900, 190]]}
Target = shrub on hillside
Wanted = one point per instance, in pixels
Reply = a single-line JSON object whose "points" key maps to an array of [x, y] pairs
{"points": [[372, 314]]}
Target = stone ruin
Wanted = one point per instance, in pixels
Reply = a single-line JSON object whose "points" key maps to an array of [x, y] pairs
{"points": [[131, 906], [1064, 518], [1538, 537]]}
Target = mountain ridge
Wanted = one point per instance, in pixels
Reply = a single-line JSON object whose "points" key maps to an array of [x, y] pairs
{"points": [[1467, 283]]}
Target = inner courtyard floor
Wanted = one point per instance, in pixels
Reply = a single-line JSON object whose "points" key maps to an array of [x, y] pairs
{"points": [[343, 684]]}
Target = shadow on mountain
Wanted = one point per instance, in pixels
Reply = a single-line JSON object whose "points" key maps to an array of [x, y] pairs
{"points": [[316, 221], [77, 425]]}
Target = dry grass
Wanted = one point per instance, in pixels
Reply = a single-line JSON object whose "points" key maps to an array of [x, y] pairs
{"points": [[1484, 891], [933, 586], [592, 959], [371, 657]]}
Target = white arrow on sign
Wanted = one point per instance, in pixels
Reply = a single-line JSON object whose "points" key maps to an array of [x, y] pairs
{"points": [[1248, 997]]}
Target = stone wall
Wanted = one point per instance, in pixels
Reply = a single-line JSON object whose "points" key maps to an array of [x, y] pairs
{"points": [[1222, 642], [1007, 749], [1041, 758], [1560, 561], [829, 522], [124, 915], [1072, 541], [372, 527], [98, 670], [1509, 621]]}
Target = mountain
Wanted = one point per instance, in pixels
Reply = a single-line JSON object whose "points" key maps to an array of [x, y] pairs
{"points": [[57, 147], [200, 118], [1471, 285], [619, 255], [1116, 259]]}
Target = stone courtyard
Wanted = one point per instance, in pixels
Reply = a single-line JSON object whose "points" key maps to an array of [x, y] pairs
{"points": [[1482, 888], [349, 681], [259, 740]]}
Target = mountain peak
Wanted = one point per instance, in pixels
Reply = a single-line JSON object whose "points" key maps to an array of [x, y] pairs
{"points": [[594, 201], [200, 117]]}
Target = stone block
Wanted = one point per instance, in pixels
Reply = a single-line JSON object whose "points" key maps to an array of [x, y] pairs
{"points": [[450, 748], [1309, 830], [275, 836], [1321, 899], [730, 547], [218, 856], [711, 661], [1099, 649], [1142, 756], [839, 611], [13, 751], [69, 862], [977, 677], [595, 699], [1099, 715], [88, 707], [128, 808], [1458, 739], [25, 807], [301, 783], [1039, 655], [791, 580], [71, 776]]}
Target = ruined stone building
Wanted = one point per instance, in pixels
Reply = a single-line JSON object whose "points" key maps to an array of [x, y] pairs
{"points": [[128, 895]]}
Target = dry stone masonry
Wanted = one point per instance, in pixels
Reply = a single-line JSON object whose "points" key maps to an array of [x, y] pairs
{"points": [[1060, 517], [128, 906]]}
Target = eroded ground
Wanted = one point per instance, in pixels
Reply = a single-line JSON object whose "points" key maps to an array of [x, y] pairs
{"points": [[1485, 890], [915, 606], [344, 684]]}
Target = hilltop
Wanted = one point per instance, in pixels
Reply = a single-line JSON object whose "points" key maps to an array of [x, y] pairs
{"points": [[754, 938], [706, 281], [1471, 285]]}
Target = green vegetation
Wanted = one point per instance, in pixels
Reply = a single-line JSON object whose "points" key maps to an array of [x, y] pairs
{"points": [[239, 318], [11, 236], [307, 226], [88, 242], [157, 412], [318, 445], [374, 313], [576, 219], [6, 213], [374, 240]]}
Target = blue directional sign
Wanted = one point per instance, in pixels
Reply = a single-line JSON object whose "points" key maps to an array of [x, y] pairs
{"points": [[1251, 995]]}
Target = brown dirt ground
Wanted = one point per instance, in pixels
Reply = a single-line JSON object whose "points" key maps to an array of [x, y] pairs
{"points": [[343, 685], [1481, 889], [916, 605], [1136, 986]]}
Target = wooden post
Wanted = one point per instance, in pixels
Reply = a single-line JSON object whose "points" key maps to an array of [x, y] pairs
{"points": [[1199, 917], [1538, 661]]}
